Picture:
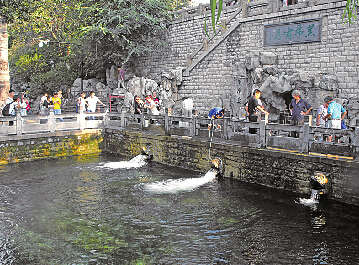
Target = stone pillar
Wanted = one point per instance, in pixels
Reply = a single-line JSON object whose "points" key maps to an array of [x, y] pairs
{"points": [[52, 121], [262, 134], [18, 124], [167, 127], [355, 143], [82, 121], [4, 65], [123, 121], [305, 139]]}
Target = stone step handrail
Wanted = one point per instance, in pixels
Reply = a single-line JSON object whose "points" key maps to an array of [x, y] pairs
{"points": [[193, 61]]}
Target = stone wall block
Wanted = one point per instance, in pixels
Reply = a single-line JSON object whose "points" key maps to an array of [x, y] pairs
{"points": [[268, 58]]}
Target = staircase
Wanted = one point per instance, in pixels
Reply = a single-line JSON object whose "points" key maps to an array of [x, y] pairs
{"points": [[208, 46]]}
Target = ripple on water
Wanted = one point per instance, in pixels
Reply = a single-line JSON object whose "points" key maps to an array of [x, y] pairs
{"points": [[73, 212]]}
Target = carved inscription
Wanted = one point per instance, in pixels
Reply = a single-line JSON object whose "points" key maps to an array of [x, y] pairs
{"points": [[293, 32]]}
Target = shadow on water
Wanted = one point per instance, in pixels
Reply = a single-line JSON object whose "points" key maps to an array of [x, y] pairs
{"points": [[73, 212]]}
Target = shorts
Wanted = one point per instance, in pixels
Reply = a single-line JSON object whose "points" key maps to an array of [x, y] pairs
{"points": [[335, 124]]}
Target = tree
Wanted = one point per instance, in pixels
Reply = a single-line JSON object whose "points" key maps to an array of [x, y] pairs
{"points": [[126, 28], [88, 33], [9, 10]]}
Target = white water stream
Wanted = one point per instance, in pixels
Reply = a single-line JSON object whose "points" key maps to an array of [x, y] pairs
{"points": [[136, 162], [178, 185]]}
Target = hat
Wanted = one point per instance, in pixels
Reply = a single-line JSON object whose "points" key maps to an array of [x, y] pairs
{"points": [[11, 91], [328, 99]]}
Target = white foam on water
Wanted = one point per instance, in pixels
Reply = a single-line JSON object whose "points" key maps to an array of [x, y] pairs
{"points": [[178, 185], [308, 202], [136, 162]]}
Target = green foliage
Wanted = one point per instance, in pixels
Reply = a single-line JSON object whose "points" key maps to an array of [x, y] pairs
{"points": [[14, 9], [51, 80], [126, 28], [82, 34], [351, 11], [214, 19]]}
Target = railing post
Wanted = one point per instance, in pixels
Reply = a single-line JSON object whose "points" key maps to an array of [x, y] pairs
{"points": [[106, 120], [305, 140], [18, 124], [244, 9], [123, 121], [142, 121], [167, 125], [82, 121], [355, 143], [52, 121], [262, 134], [193, 126], [225, 129]]}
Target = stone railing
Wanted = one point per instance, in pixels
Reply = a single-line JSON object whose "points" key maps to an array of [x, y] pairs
{"points": [[308, 140], [48, 124]]}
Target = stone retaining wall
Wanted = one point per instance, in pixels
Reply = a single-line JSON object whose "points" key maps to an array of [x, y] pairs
{"points": [[273, 169], [49, 145], [218, 74]]}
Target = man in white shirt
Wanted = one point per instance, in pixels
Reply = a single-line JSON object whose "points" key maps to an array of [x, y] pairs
{"points": [[92, 103], [10, 99]]}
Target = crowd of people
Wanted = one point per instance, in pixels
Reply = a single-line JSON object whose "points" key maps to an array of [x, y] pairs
{"points": [[152, 103], [16, 103], [330, 114]]}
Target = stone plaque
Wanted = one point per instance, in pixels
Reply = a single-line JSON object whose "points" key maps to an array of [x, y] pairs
{"points": [[293, 32]]}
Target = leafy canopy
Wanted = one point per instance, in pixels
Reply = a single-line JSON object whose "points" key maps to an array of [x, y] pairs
{"points": [[83, 36]]}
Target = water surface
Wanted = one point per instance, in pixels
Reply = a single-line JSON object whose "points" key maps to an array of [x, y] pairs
{"points": [[72, 211]]}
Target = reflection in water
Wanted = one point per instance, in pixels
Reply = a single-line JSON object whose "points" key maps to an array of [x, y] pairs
{"points": [[66, 212]]}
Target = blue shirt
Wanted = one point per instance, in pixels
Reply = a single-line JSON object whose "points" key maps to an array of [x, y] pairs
{"points": [[214, 112], [297, 108], [336, 110]]}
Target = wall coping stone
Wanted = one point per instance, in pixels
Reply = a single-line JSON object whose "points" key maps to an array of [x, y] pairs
{"points": [[48, 134]]}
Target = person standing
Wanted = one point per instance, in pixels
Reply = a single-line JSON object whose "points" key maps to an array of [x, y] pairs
{"points": [[81, 103], [298, 108], [336, 113], [56, 102], [92, 101], [322, 112], [23, 105], [151, 105], [187, 106], [44, 104], [156, 100], [138, 105], [10, 98], [8, 108], [254, 109]]}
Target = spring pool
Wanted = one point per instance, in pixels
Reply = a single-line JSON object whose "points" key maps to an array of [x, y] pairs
{"points": [[73, 211]]}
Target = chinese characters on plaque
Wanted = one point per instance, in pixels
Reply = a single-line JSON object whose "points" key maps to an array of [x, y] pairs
{"points": [[294, 32]]}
